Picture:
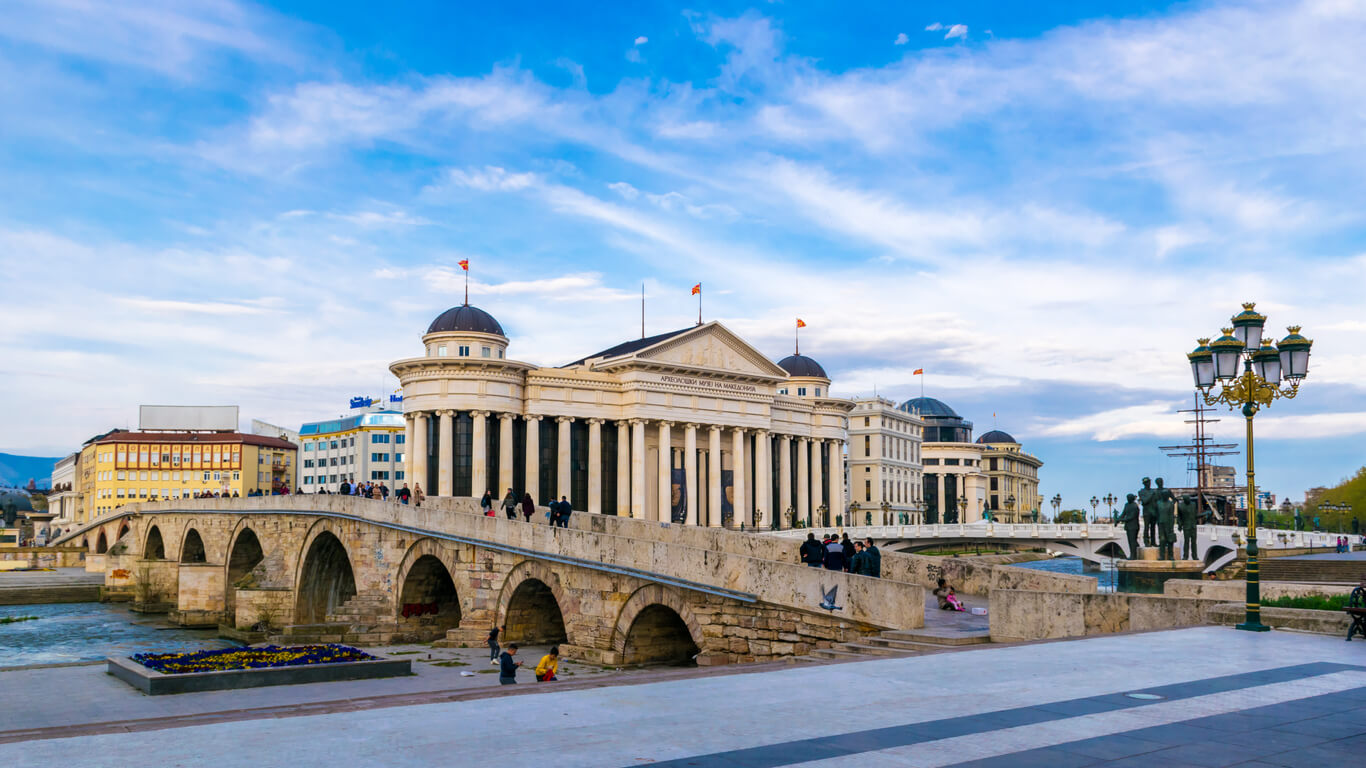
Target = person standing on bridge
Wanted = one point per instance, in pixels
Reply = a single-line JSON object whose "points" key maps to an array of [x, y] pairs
{"points": [[404, 495], [528, 506], [486, 504], [565, 510], [510, 505], [849, 551], [418, 495], [873, 561], [812, 552]]}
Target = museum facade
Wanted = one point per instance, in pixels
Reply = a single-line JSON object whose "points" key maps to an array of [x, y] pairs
{"points": [[692, 426]]}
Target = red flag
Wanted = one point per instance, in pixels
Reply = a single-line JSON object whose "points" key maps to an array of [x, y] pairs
{"points": [[918, 372], [801, 323], [465, 264], [696, 289]]}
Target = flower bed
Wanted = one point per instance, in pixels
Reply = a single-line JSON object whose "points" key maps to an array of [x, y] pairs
{"points": [[262, 657]]}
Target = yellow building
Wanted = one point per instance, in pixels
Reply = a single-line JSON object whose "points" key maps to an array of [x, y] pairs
{"points": [[1012, 477], [123, 467]]}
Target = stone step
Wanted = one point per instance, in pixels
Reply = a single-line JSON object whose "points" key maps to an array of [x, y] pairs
{"points": [[831, 653], [316, 629], [919, 636], [907, 645], [870, 649]]}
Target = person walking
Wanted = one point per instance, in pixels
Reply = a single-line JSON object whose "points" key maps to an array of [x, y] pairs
{"points": [[493, 643], [510, 505], [486, 504], [873, 560], [548, 666], [849, 550], [418, 495], [344, 489], [566, 509], [812, 552], [858, 564], [507, 668], [404, 495], [834, 555], [528, 506]]}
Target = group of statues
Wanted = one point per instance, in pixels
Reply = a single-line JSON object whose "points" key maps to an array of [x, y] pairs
{"points": [[1161, 513]]}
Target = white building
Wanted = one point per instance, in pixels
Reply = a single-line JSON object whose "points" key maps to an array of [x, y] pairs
{"points": [[65, 498], [368, 446], [885, 474]]}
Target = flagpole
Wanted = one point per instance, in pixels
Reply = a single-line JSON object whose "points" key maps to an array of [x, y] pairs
{"points": [[699, 303], [797, 339], [467, 286]]}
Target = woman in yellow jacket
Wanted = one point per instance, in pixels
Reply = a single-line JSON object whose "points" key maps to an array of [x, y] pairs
{"points": [[549, 664]]}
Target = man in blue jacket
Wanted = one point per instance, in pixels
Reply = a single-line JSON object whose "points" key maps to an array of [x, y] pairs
{"points": [[507, 668]]}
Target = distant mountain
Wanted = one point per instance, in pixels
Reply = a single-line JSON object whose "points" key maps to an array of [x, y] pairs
{"points": [[18, 470]]}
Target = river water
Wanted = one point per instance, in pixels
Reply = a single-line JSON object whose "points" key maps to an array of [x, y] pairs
{"points": [[69, 632], [1105, 578]]}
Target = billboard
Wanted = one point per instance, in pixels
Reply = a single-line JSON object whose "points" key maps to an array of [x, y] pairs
{"points": [[218, 418]]}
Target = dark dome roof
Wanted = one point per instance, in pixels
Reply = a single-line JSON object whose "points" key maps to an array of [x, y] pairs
{"points": [[12, 502], [997, 436], [928, 406], [466, 318], [801, 365]]}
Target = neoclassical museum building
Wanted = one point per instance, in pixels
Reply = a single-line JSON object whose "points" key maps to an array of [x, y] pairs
{"points": [[694, 426]]}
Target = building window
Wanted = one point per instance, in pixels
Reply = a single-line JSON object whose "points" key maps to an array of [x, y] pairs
{"points": [[931, 462], [500, 357], [206, 477], [464, 350], [867, 490], [308, 447], [782, 390], [441, 350], [950, 462], [398, 475], [818, 391], [487, 352], [801, 391], [400, 438], [122, 475], [379, 475], [379, 438], [867, 421]]}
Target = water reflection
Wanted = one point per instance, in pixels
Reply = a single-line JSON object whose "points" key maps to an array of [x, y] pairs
{"points": [[1105, 577], [67, 632]]}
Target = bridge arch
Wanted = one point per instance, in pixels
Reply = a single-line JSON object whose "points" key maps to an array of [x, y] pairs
{"points": [[1218, 555], [123, 531], [154, 548], [192, 547], [102, 543], [427, 589], [325, 579], [529, 606], [244, 554], [656, 626]]}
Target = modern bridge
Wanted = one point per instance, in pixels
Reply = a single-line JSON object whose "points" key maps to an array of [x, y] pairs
{"points": [[1216, 545]]}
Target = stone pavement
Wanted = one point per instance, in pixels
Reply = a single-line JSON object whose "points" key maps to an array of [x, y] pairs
{"points": [[1210, 696]]}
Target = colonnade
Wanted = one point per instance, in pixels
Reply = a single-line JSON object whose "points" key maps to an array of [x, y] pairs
{"points": [[703, 460]]}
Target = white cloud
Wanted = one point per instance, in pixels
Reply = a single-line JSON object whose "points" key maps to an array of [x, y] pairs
{"points": [[490, 179], [642, 40], [901, 39], [957, 30], [935, 27]]}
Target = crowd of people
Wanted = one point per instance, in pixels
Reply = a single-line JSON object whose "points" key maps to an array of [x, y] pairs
{"points": [[505, 660], [557, 512], [840, 554]]}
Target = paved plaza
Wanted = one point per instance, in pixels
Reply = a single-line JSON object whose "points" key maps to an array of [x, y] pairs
{"points": [[1209, 697]]}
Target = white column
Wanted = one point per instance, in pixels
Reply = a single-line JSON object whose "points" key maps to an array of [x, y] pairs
{"points": [[419, 449], [443, 455], [562, 458], [690, 470], [836, 464], [407, 450], [784, 480], [595, 466], [817, 482], [665, 489], [737, 474], [763, 480], [504, 452], [804, 478], [533, 458], [943, 508], [638, 469], [714, 476], [623, 469], [479, 454]]}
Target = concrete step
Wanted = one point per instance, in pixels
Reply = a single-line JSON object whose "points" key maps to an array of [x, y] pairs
{"points": [[911, 648], [831, 653], [927, 638]]}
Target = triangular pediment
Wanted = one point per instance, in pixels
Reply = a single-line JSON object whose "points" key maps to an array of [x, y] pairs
{"points": [[708, 347]]}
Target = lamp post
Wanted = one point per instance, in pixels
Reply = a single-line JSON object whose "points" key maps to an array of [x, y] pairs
{"points": [[962, 508], [1056, 501], [1010, 504], [1264, 365], [1094, 503], [1110, 500]]}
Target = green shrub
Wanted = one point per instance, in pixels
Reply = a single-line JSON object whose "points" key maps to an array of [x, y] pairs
{"points": [[1312, 602]]}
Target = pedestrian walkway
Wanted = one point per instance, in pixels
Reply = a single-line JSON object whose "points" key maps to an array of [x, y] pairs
{"points": [[1265, 699]]}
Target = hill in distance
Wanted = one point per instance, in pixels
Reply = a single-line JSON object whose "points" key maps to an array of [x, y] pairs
{"points": [[18, 470]]}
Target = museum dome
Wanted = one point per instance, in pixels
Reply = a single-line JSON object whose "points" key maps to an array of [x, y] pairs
{"points": [[465, 318], [801, 365], [928, 406], [997, 436]]}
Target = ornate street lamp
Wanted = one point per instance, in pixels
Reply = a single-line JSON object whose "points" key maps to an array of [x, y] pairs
{"points": [[886, 514], [1264, 366], [1010, 504], [1110, 500], [1056, 501], [1094, 503], [962, 508]]}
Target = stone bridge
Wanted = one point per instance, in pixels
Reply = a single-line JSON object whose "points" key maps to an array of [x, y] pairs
{"points": [[1216, 545], [609, 590]]}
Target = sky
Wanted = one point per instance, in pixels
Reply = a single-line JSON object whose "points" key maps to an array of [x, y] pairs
{"points": [[234, 203]]}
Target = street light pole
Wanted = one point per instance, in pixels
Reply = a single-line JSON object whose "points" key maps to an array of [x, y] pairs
{"points": [[1264, 364]]}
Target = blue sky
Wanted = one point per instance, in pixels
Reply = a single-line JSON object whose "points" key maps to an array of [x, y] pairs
{"points": [[226, 202]]}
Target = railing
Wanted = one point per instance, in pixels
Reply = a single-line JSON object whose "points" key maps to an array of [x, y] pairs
{"points": [[968, 530]]}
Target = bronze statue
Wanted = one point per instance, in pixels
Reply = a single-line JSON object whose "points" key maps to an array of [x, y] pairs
{"points": [[1129, 517], [1147, 497], [1187, 512], [1166, 522]]}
